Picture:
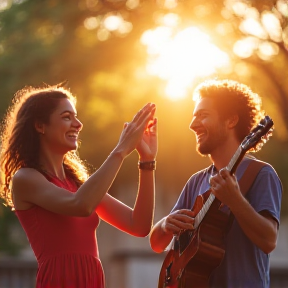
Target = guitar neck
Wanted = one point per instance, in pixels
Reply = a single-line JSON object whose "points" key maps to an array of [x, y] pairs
{"points": [[236, 159], [199, 217], [231, 167]]}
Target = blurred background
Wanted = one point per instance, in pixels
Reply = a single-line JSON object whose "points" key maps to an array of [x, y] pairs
{"points": [[118, 55]]}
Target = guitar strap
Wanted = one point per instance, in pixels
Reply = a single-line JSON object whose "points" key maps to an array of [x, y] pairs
{"points": [[250, 174], [247, 180]]}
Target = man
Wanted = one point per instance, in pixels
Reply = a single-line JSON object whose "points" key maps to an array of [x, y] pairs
{"points": [[225, 112]]}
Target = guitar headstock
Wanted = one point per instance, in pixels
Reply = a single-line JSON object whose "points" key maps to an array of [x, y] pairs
{"points": [[259, 135]]}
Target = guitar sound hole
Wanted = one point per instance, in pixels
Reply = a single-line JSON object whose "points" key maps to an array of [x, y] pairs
{"points": [[184, 240]]}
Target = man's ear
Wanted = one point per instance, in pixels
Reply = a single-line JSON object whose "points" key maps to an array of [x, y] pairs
{"points": [[233, 120], [39, 126]]}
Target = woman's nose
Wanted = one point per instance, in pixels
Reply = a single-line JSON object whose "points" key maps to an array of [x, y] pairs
{"points": [[78, 124]]}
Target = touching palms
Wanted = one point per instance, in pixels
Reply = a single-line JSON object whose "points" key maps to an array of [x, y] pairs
{"points": [[148, 145]]}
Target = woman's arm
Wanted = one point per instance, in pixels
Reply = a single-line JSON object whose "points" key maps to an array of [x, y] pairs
{"points": [[137, 221], [30, 186]]}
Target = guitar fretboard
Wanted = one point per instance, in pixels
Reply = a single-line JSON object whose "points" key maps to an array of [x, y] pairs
{"points": [[210, 199], [203, 211], [234, 159]]}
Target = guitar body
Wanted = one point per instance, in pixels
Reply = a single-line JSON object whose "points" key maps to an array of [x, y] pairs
{"points": [[197, 252]]}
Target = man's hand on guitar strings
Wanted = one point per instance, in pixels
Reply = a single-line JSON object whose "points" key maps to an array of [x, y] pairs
{"points": [[225, 187], [178, 220]]}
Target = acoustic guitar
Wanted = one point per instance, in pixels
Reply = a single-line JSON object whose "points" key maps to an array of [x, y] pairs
{"points": [[196, 253]]}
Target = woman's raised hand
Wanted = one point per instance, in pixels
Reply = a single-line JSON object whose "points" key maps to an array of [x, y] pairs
{"points": [[148, 146], [134, 132]]}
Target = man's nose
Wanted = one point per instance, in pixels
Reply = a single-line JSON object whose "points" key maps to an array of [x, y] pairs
{"points": [[193, 124]]}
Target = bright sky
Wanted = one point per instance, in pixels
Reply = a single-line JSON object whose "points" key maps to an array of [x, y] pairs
{"points": [[179, 58]]}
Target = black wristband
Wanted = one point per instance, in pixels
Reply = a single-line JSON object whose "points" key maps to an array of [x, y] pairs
{"points": [[149, 165]]}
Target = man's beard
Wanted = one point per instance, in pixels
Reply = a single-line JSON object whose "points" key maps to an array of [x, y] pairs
{"points": [[217, 136]]}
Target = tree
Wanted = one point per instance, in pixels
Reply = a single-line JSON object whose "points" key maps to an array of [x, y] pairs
{"points": [[96, 46]]}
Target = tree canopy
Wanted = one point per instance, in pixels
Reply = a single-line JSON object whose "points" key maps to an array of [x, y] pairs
{"points": [[119, 54]]}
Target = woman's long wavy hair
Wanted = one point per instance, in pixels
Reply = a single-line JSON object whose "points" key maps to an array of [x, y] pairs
{"points": [[230, 98], [20, 141]]}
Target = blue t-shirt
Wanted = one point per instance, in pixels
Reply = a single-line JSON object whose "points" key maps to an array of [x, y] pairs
{"points": [[244, 264]]}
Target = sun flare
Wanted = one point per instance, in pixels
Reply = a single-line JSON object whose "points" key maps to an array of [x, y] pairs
{"points": [[179, 58]]}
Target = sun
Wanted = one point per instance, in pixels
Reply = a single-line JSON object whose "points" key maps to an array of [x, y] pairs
{"points": [[179, 58]]}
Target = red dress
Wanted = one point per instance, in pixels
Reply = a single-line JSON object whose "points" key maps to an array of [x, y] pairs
{"points": [[65, 246]]}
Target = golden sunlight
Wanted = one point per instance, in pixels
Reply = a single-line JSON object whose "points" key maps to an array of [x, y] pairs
{"points": [[272, 25], [179, 58], [5, 4]]}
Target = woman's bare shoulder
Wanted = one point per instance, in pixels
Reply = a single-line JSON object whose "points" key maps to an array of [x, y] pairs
{"points": [[23, 183], [23, 173], [27, 176]]}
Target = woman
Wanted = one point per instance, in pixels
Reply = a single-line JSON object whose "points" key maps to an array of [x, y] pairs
{"points": [[47, 185]]}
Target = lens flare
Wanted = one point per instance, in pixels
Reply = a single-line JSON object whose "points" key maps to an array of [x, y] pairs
{"points": [[179, 58]]}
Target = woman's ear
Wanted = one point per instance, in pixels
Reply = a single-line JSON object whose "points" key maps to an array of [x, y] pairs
{"points": [[39, 127], [233, 120]]}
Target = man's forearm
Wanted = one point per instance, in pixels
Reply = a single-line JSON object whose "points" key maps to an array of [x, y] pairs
{"points": [[159, 240]]}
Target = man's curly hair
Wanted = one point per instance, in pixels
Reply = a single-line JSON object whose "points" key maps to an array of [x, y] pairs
{"points": [[231, 97]]}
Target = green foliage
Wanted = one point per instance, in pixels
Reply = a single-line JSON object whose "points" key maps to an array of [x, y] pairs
{"points": [[46, 41], [12, 237]]}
